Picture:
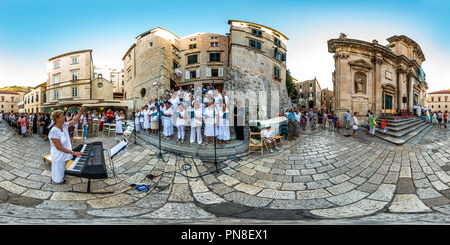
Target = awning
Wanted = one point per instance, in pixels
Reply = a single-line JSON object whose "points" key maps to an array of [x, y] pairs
{"points": [[108, 104], [105, 105], [49, 106], [72, 102], [202, 82]]}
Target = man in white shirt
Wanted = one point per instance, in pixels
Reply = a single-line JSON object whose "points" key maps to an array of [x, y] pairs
{"points": [[269, 139]]}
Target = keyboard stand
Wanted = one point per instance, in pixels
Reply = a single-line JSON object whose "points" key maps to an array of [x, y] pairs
{"points": [[88, 191]]}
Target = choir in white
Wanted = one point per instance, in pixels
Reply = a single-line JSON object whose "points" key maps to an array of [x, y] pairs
{"points": [[194, 108]]}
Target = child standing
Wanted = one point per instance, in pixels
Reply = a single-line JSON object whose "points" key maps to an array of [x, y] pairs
{"points": [[383, 127]]}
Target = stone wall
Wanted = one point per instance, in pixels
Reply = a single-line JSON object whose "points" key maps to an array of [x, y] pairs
{"points": [[243, 82]]}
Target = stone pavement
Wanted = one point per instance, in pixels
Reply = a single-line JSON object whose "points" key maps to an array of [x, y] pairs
{"points": [[322, 177]]}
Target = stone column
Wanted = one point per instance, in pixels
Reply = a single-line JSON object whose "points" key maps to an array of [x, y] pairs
{"points": [[410, 91], [377, 102], [343, 84], [400, 87]]}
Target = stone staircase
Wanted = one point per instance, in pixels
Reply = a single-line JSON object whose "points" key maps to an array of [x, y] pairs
{"points": [[402, 129]]}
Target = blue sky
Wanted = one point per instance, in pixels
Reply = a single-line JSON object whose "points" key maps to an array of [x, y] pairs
{"points": [[33, 31]]}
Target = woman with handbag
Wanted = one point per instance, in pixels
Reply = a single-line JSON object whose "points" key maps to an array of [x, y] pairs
{"points": [[372, 124]]}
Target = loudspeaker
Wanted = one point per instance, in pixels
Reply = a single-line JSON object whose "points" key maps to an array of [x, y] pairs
{"points": [[404, 99]]}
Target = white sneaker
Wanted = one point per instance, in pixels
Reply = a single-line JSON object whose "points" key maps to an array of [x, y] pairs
{"points": [[271, 151], [277, 148]]}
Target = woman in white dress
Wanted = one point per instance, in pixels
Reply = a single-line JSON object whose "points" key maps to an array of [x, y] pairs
{"points": [[61, 148], [196, 122], [204, 101], [180, 122], [167, 120], [137, 119], [174, 100], [224, 124], [119, 120], [154, 120], [210, 120], [435, 121], [218, 100], [146, 113]]}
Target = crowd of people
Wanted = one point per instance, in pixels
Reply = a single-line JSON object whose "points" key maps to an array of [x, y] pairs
{"points": [[90, 123], [438, 118], [298, 121], [205, 110]]}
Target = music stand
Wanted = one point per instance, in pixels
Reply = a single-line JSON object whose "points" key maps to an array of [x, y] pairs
{"points": [[114, 151]]}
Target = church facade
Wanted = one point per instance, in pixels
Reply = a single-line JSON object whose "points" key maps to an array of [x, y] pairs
{"points": [[370, 76]]}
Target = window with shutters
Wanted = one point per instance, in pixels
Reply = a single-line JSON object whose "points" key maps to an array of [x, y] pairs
{"points": [[56, 79], [75, 75], [257, 33], [192, 59], [192, 74], [278, 55], [277, 41], [214, 72], [74, 92], [276, 71], [254, 44]]}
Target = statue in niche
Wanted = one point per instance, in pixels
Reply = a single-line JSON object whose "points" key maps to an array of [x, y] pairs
{"points": [[360, 83]]}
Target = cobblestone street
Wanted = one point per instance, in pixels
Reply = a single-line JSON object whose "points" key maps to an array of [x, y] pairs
{"points": [[321, 178]]}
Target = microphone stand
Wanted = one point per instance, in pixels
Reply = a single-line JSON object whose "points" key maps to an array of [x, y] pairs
{"points": [[134, 113], [159, 131]]}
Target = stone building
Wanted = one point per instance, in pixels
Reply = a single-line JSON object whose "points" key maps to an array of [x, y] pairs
{"points": [[309, 95], [150, 65], [251, 58], [370, 76], [69, 79], [439, 100], [8, 101], [258, 64], [71, 83], [34, 99], [327, 103], [204, 59], [114, 76]]}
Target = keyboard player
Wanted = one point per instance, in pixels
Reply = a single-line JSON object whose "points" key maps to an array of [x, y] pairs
{"points": [[61, 147]]}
